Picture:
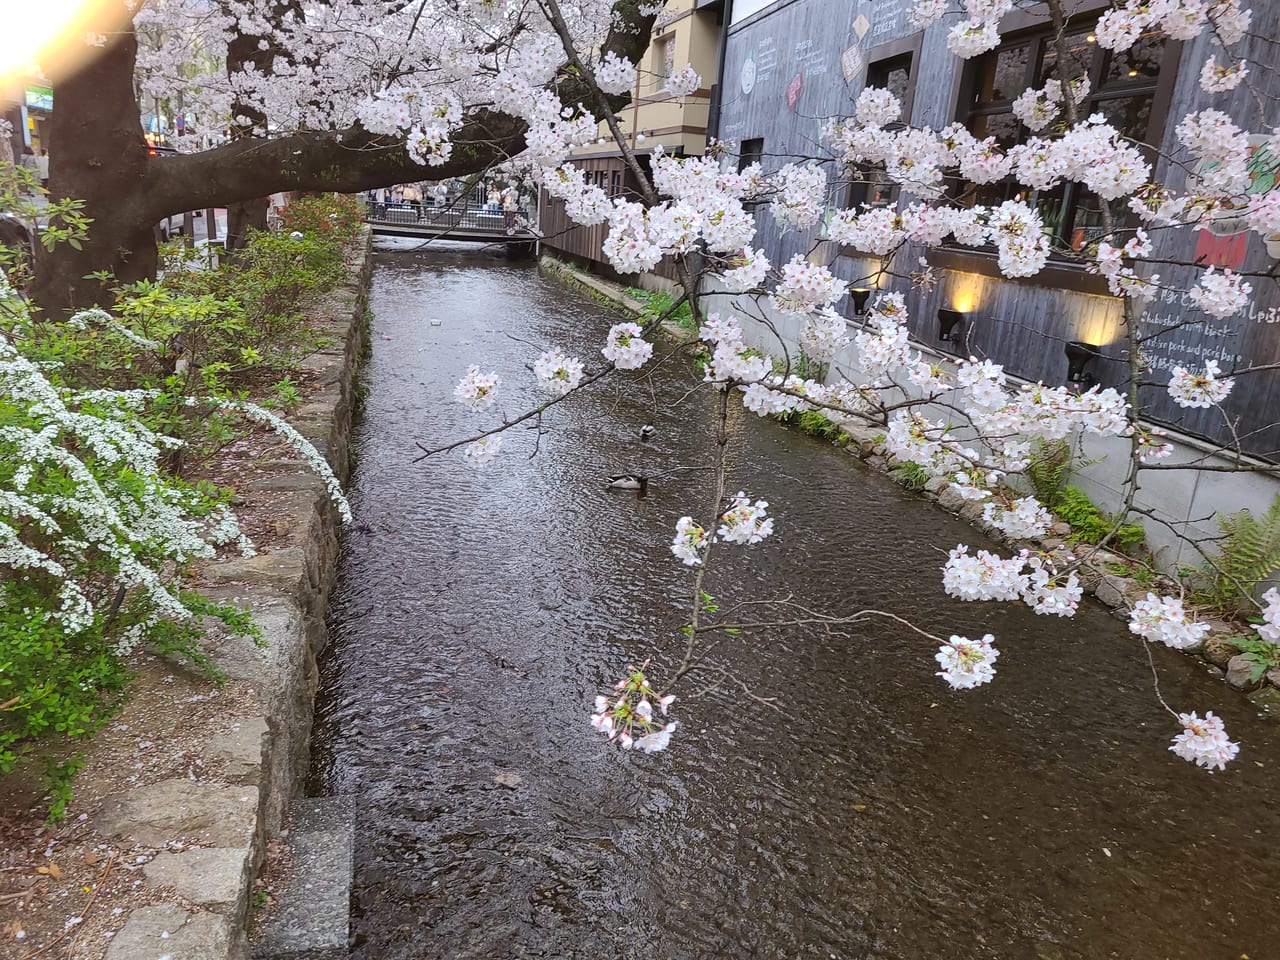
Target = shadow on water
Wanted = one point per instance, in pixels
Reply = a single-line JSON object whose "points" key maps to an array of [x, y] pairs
{"points": [[875, 814]]}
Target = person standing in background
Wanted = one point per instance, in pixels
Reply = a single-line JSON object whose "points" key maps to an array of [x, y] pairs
{"points": [[28, 161], [42, 166], [413, 197], [509, 207]]}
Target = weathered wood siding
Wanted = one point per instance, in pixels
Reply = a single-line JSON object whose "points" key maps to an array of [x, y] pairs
{"points": [[584, 244], [798, 62]]}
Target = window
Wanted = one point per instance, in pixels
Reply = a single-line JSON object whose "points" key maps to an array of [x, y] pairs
{"points": [[615, 188], [1124, 87], [752, 151], [664, 60], [872, 186]]}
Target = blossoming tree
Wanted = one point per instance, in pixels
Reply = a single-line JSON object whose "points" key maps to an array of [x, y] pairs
{"points": [[441, 88], [337, 96]]}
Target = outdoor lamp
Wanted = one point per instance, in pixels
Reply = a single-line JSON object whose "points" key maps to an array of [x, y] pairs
{"points": [[950, 325], [1079, 354], [860, 296]]}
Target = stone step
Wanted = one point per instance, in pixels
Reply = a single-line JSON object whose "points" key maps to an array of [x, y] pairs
{"points": [[314, 918]]}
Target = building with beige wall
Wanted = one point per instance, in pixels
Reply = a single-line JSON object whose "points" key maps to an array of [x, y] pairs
{"points": [[686, 32]]}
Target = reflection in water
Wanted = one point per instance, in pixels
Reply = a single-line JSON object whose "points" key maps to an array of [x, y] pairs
{"points": [[877, 814]]}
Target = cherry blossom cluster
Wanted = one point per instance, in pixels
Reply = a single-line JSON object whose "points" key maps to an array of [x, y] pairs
{"points": [[1048, 591], [980, 32], [614, 74], [824, 335], [1216, 78], [1204, 741], [1032, 578], [1121, 28], [684, 81], [557, 373], [1122, 279], [746, 271], [1199, 389], [801, 194], [1269, 629], [1022, 519], [626, 347], [1038, 108], [477, 390], [627, 714], [734, 362], [984, 576], [805, 287], [885, 345], [689, 541], [967, 663], [1164, 619], [778, 395], [480, 453], [1221, 294], [1152, 446], [745, 522]]}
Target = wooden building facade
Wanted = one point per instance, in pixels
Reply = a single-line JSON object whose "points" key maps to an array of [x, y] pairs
{"points": [[791, 64]]}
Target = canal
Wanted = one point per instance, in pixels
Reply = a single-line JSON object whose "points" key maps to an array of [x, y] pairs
{"points": [[875, 814]]}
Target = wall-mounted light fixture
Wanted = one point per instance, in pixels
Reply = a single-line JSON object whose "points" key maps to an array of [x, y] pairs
{"points": [[860, 297], [1079, 354], [951, 325]]}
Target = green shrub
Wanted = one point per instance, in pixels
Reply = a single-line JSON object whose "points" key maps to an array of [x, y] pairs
{"points": [[332, 217], [813, 422], [1047, 470], [97, 532], [1259, 654], [911, 475], [656, 304], [1089, 523]]}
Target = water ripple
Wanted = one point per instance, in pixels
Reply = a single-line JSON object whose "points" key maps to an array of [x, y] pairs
{"points": [[875, 815]]}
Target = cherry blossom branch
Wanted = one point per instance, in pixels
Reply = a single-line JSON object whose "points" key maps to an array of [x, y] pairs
{"points": [[538, 411]]}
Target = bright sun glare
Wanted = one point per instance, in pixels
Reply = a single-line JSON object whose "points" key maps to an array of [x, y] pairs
{"points": [[33, 31]]}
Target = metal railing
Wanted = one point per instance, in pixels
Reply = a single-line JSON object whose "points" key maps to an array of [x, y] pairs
{"points": [[471, 218]]}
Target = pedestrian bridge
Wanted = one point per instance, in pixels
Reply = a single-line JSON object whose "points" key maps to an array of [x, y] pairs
{"points": [[447, 223]]}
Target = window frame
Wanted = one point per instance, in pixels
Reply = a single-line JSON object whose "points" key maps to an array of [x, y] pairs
{"points": [[879, 59], [750, 151], [663, 66], [1036, 30]]}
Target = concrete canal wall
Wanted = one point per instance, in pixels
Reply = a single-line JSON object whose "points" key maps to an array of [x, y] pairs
{"points": [[210, 833]]}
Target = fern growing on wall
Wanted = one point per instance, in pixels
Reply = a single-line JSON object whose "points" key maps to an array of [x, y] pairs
{"points": [[1248, 554], [1048, 469]]}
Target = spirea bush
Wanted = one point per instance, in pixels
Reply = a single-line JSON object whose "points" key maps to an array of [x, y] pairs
{"points": [[97, 527], [95, 537]]}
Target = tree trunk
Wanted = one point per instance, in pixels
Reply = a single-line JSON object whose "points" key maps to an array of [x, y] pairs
{"points": [[100, 156], [243, 216]]}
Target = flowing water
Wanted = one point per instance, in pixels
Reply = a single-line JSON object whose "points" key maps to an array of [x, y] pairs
{"points": [[875, 814]]}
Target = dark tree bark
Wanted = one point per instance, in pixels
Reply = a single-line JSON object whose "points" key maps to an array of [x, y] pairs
{"points": [[98, 154], [250, 50]]}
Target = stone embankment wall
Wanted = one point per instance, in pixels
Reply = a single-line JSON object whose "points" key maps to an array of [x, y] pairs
{"points": [[220, 824], [1096, 566]]}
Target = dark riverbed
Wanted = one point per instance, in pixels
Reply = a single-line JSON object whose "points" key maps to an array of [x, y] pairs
{"points": [[877, 814]]}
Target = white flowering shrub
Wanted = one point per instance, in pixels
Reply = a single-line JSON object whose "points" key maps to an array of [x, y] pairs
{"points": [[94, 538]]}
